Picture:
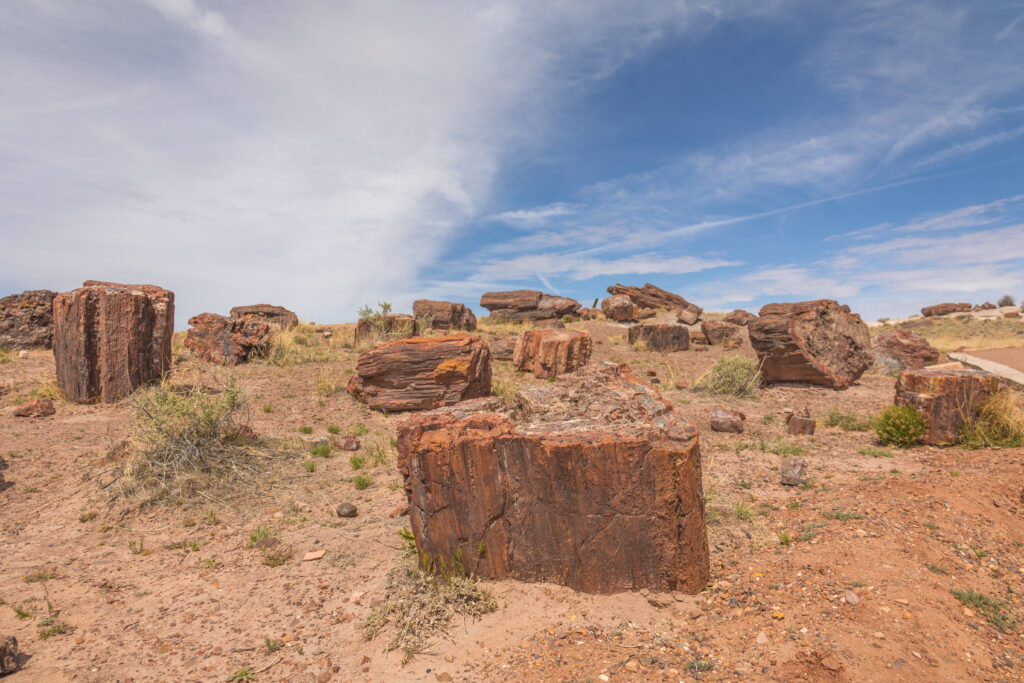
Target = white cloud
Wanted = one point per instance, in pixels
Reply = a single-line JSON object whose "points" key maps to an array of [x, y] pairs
{"points": [[584, 267]]}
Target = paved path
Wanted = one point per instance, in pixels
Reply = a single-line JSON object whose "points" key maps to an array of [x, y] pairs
{"points": [[1007, 363]]}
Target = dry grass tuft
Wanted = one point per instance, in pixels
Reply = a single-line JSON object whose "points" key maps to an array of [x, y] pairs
{"points": [[963, 332], [297, 345], [999, 423], [420, 605], [496, 327], [731, 376]]}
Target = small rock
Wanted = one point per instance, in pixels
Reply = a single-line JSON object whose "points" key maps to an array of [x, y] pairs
{"points": [[801, 423], [631, 665], [449, 658], [37, 407], [725, 420], [22, 355], [324, 677], [314, 555], [267, 542], [696, 613], [791, 471], [851, 598], [349, 442], [346, 510], [319, 442], [762, 638], [8, 655]]}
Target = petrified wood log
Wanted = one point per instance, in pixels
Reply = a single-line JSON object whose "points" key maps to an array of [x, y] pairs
{"points": [[946, 398], [444, 315], [650, 296], [945, 309], [592, 482], [664, 338], [552, 352], [739, 317], [26, 320], [388, 326], [422, 373], [902, 350], [226, 341], [109, 339], [620, 308], [528, 304], [275, 316], [721, 332], [819, 342]]}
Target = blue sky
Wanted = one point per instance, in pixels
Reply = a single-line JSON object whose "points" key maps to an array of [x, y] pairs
{"points": [[325, 155]]}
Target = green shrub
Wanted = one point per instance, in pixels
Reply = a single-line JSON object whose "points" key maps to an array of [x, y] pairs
{"points": [[361, 481], [731, 376], [847, 421], [900, 426]]}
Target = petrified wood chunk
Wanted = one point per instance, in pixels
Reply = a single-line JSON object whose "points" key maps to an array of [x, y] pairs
{"points": [[26, 320], [902, 350], [275, 316], [945, 309], [946, 398], [819, 342], [721, 332], [109, 339], [663, 338], [226, 341], [650, 296], [552, 352], [800, 423], [37, 407], [620, 308], [503, 346], [739, 317], [725, 420], [592, 482], [527, 304], [388, 326], [444, 315], [422, 373]]}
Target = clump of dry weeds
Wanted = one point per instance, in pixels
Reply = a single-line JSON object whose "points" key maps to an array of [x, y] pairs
{"points": [[998, 424]]}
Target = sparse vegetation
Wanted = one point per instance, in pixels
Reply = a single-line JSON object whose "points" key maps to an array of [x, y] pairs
{"points": [[847, 421], [994, 610], [310, 465], [305, 429], [998, 424], [900, 426], [357, 461], [875, 452], [333, 429], [323, 451], [296, 345], [276, 556], [731, 376], [781, 447], [325, 384], [1005, 300], [784, 538], [361, 482], [86, 517], [359, 429], [243, 675], [380, 450]]}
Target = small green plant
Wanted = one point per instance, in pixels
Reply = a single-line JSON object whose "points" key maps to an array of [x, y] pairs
{"points": [[900, 426], [211, 563], [321, 451], [743, 484], [310, 466], [54, 628], [846, 421], [731, 376], [21, 613], [931, 525], [995, 610], [875, 452], [784, 538], [781, 447], [361, 482], [767, 418], [268, 407], [188, 521], [359, 429], [357, 461], [243, 675], [743, 512], [275, 556], [271, 645], [40, 576], [86, 517], [211, 518], [700, 666], [137, 547], [306, 429], [257, 534], [333, 429], [936, 568]]}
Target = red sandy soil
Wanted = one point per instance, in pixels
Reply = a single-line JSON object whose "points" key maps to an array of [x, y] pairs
{"points": [[1010, 356], [895, 531]]}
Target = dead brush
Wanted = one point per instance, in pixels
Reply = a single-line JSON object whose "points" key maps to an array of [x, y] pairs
{"points": [[188, 442], [731, 376], [296, 345], [998, 424], [421, 601]]}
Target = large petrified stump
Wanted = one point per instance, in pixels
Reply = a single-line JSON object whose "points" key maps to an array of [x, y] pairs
{"points": [[422, 373], [388, 326], [719, 332], [946, 398], [664, 338], [593, 482], [275, 316], [650, 296], [945, 309], [26, 320], [902, 350], [620, 308], [226, 341], [444, 315], [528, 304], [551, 352], [819, 342], [109, 339]]}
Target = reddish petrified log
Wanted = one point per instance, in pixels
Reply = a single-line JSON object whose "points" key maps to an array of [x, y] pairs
{"points": [[592, 482], [900, 350], [37, 407], [620, 308], [528, 304], [109, 339], [946, 398], [503, 346], [226, 341], [800, 423], [26, 320], [664, 338], [720, 332], [725, 420], [650, 296], [275, 316], [819, 342], [552, 352], [739, 317], [945, 309], [386, 327], [444, 315], [422, 373]]}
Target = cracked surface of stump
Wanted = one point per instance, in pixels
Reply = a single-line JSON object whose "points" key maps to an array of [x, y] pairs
{"points": [[26, 320], [109, 339], [551, 352], [226, 341], [945, 398], [900, 350], [819, 342], [422, 373], [593, 482], [720, 332], [663, 338]]}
